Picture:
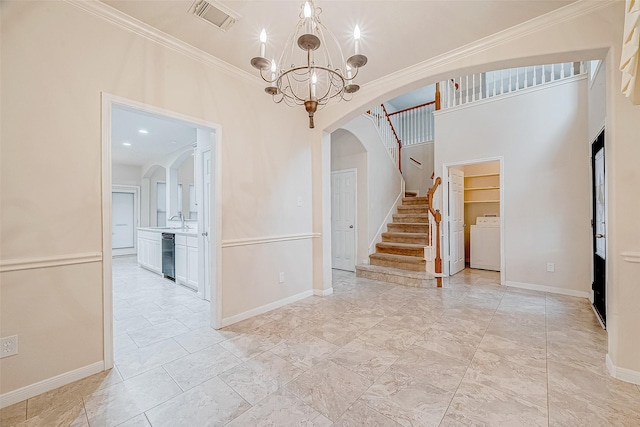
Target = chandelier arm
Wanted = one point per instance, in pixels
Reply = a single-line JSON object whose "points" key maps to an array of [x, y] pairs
{"points": [[335, 41], [265, 79], [296, 80]]}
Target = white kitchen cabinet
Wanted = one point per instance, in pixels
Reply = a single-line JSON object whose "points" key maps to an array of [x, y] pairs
{"points": [[192, 267], [181, 264], [186, 256], [150, 251]]}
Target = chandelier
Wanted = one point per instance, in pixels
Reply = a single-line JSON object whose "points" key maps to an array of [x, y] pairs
{"points": [[311, 69]]}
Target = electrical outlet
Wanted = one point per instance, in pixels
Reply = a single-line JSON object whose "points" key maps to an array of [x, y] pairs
{"points": [[551, 267], [282, 277], [8, 346]]}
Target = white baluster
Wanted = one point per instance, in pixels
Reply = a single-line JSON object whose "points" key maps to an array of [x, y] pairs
{"points": [[416, 125], [517, 79], [544, 74], [493, 79], [534, 81], [473, 85], [501, 82], [416, 113], [562, 70]]}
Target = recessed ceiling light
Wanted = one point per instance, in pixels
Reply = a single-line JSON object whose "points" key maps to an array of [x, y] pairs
{"points": [[143, 131], [126, 144]]}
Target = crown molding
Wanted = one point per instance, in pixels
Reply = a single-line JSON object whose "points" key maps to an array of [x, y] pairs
{"points": [[114, 16], [558, 16]]}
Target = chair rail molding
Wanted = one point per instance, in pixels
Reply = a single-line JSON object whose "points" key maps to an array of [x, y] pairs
{"points": [[268, 239], [631, 256], [49, 261]]}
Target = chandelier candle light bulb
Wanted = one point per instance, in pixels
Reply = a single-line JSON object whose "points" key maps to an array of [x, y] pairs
{"points": [[314, 80], [302, 81], [263, 43]]}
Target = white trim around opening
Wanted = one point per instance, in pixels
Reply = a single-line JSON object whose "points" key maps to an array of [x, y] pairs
{"points": [[108, 101], [445, 212]]}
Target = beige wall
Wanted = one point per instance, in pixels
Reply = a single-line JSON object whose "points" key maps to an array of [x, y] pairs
{"points": [[584, 30], [385, 183], [126, 175], [347, 152], [597, 101], [418, 179], [56, 61], [541, 134]]}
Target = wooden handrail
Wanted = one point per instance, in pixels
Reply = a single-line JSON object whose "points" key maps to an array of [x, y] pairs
{"points": [[437, 216], [396, 136], [412, 108]]}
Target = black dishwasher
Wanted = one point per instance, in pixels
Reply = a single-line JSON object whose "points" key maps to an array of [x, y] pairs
{"points": [[168, 256]]}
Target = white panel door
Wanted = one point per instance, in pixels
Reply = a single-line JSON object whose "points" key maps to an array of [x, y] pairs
{"points": [[122, 220], [206, 222], [343, 220], [456, 221]]}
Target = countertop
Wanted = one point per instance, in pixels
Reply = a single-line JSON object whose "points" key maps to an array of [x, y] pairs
{"points": [[178, 231]]}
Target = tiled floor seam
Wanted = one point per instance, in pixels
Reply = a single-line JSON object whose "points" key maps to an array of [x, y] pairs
{"points": [[471, 361]]}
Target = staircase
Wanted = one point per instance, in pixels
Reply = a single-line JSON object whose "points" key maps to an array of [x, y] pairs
{"points": [[400, 257]]}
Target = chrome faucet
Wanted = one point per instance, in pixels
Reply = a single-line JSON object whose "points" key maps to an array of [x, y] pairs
{"points": [[181, 219]]}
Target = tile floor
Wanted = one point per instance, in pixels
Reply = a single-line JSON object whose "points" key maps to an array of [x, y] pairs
{"points": [[371, 354]]}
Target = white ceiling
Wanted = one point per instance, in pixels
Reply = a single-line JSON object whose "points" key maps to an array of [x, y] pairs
{"points": [[165, 136], [395, 34]]}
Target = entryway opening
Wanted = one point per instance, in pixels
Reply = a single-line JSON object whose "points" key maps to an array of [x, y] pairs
{"points": [[474, 205], [161, 217]]}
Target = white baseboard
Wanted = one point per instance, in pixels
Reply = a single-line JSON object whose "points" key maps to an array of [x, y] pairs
{"points": [[623, 374], [32, 390], [598, 316], [264, 308], [550, 289], [323, 293]]}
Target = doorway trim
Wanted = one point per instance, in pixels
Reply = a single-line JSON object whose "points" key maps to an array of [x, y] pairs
{"points": [[135, 190], [355, 214], [108, 101], [445, 212]]}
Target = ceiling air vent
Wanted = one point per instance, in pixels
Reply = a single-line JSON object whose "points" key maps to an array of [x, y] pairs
{"points": [[215, 13]]}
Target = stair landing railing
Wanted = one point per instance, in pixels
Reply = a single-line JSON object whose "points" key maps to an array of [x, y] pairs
{"points": [[476, 87], [388, 133], [434, 238], [415, 124]]}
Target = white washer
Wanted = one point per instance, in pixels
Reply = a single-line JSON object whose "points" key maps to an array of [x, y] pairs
{"points": [[485, 243]]}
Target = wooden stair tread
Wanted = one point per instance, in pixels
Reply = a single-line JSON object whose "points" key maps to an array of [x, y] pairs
{"points": [[421, 208], [398, 258], [411, 215], [403, 234], [414, 200], [402, 245]]}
